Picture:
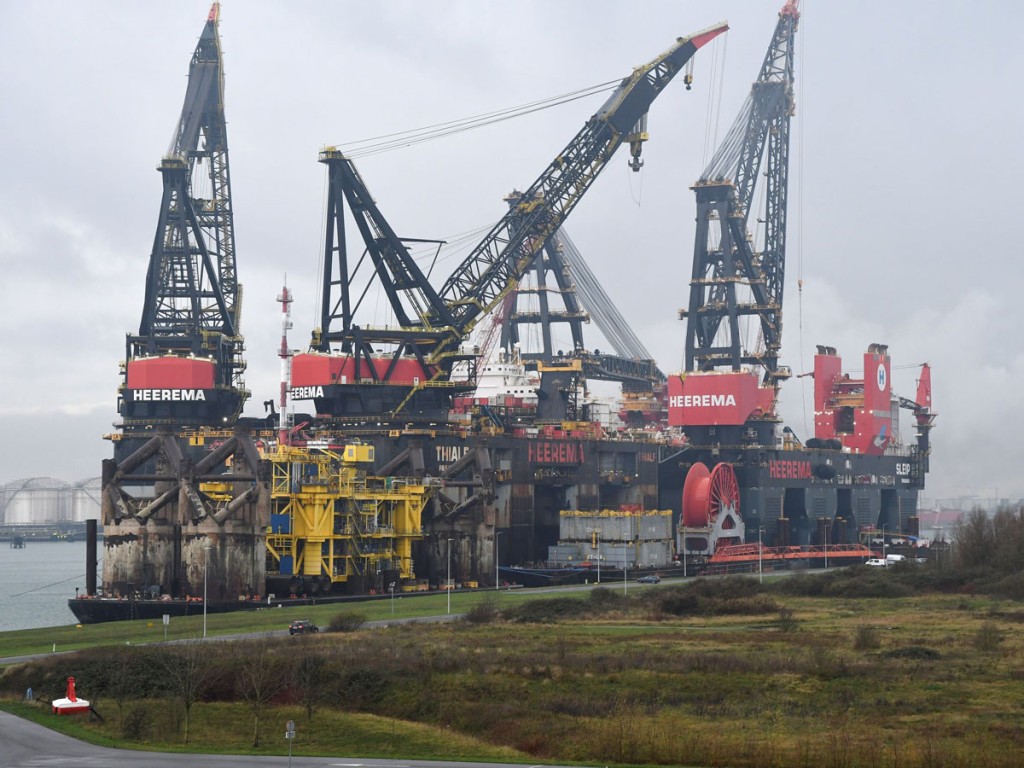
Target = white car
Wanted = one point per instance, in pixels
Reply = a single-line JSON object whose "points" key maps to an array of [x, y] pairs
{"points": [[877, 562]]}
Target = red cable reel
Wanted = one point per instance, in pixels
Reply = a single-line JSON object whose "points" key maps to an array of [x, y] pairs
{"points": [[706, 494]]}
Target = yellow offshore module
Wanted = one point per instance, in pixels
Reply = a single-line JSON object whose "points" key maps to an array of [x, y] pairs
{"points": [[331, 522]]}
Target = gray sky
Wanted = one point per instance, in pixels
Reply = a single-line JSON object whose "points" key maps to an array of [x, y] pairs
{"points": [[903, 206]]}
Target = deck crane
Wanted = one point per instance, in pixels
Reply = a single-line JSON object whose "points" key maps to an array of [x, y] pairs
{"points": [[741, 465], [185, 477], [413, 382], [185, 366], [731, 280]]}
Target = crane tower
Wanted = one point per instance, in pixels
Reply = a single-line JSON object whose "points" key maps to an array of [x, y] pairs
{"points": [[184, 366]]}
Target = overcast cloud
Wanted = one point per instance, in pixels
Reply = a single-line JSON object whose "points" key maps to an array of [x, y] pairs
{"points": [[904, 205]]}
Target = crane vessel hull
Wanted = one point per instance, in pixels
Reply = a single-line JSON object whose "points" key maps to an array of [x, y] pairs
{"points": [[504, 496]]}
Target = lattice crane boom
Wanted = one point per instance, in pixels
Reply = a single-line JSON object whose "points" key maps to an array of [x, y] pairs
{"points": [[497, 263], [724, 256], [185, 364]]}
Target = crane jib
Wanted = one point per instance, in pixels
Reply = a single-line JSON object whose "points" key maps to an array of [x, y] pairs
{"points": [[500, 259], [634, 96]]}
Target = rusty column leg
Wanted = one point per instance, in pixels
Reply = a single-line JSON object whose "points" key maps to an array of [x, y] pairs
{"points": [[90, 557]]}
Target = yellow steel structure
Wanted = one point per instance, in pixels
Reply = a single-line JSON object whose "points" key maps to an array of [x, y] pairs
{"points": [[342, 522]]}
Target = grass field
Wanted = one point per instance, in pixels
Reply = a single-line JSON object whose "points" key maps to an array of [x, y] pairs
{"points": [[713, 674], [75, 637]]}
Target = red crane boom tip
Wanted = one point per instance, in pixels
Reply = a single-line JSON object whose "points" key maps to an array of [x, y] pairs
{"points": [[703, 38]]}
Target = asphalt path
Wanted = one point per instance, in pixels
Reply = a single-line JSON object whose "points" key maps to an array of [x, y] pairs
{"points": [[24, 744]]}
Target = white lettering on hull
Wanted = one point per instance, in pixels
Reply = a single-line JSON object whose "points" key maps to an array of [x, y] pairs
{"points": [[701, 401], [168, 395], [306, 393]]}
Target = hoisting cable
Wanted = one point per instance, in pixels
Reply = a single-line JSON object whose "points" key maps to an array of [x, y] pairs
{"points": [[714, 106], [800, 217], [386, 142], [320, 266], [46, 586]]}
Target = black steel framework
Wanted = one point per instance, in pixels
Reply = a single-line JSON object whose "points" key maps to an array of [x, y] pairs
{"points": [[432, 326], [724, 256], [547, 262], [407, 289], [583, 300], [192, 299]]}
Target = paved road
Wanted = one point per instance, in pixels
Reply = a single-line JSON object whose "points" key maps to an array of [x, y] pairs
{"points": [[24, 744], [246, 636]]}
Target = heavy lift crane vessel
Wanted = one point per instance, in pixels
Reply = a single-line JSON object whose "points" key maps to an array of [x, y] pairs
{"points": [[853, 473], [413, 383]]}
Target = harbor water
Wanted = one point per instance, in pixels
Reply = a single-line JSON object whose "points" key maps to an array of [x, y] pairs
{"points": [[37, 582]]}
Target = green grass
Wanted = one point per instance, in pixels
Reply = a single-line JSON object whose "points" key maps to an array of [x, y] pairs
{"points": [[75, 637], [221, 728], [620, 681]]}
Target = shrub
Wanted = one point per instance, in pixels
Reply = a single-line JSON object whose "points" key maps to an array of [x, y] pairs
{"points": [[678, 603], [786, 620], [483, 612], [549, 611], [988, 637], [346, 622], [866, 638], [361, 688], [915, 652], [1011, 586], [603, 600], [136, 724]]}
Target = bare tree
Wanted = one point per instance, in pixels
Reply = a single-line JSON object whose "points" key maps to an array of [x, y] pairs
{"points": [[993, 542], [260, 677], [311, 680], [188, 671], [118, 682]]}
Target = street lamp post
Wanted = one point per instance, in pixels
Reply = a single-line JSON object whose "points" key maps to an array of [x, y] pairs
{"points": [[497, 582], [760, 571], [391, 586], [206, 567], [448, 582], [625, 567], [826, 545], [883, 541]]}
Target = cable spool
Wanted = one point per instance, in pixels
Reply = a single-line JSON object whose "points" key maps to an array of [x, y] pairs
{"points": [[706, 494]]}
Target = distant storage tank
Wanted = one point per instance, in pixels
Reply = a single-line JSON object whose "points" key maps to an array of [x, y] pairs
{"points": [[36, 500], [85, 499]]}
